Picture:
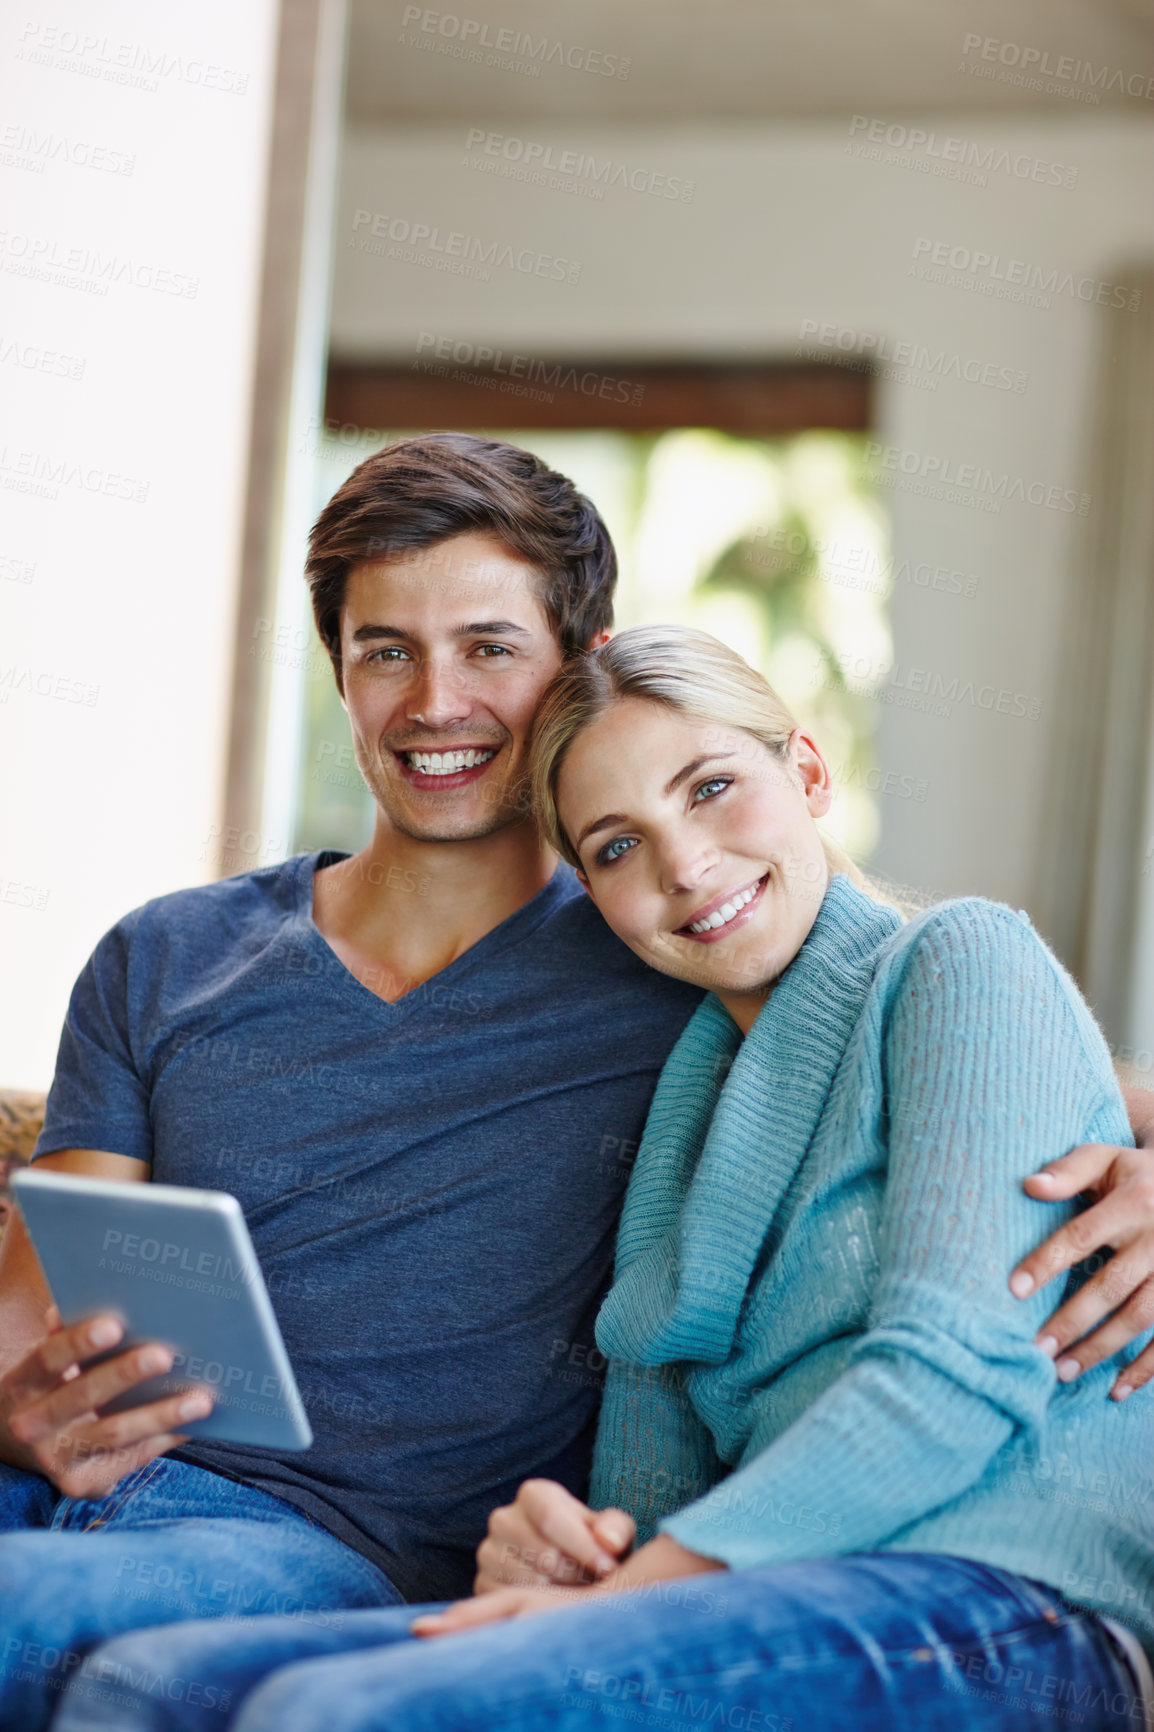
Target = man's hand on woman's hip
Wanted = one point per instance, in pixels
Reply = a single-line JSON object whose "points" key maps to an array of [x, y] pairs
{"points": [[1117, 1302]]}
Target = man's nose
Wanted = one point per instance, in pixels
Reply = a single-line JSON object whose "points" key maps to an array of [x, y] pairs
{"points": [[438, 696]]}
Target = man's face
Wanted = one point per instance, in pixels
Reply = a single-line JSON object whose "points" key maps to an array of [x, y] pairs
{"points": [[446, 653]]}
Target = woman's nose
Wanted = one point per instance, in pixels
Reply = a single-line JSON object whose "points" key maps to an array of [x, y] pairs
{"points": [[685, 862]]}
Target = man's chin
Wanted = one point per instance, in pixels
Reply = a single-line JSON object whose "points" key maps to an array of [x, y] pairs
{"points": [[447, 825], [433, 831]]}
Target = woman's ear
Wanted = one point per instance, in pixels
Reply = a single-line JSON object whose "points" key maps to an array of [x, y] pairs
{"points": [[582, 880], [816, 781]]}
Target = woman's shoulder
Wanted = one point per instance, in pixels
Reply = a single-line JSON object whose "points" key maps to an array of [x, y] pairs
{"points": [[969, 921], [969, 939], [976, 951]]}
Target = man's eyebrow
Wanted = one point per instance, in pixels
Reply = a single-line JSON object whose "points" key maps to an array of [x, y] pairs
{"points": [[492, 628], [475, 628], [671, 787], [364, 632]]}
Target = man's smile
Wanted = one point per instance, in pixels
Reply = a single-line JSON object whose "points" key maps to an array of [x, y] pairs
{"points": [[447, 768]]}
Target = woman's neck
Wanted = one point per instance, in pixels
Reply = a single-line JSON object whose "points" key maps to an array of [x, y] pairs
{"points": [[746, 1007]]}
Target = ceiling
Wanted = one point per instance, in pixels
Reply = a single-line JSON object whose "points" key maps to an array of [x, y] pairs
{"points": [[738, 60]]}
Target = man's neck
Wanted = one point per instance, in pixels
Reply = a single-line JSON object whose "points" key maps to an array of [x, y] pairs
{"points": [[402, 910]]}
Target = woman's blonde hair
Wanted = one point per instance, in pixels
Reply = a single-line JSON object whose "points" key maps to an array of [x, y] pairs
{"points": [[687, 671]]}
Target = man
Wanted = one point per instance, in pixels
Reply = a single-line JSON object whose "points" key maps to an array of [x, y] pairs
{"points": [[422, 1069]]}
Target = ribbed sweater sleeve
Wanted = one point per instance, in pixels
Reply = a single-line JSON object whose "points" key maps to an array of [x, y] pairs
{"points": [[654, 1454], [991, 1067]]}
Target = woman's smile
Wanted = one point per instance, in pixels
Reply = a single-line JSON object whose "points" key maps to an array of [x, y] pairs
{"points": [[724, 915]]}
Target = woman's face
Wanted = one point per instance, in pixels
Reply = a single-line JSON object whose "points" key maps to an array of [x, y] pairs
{"points": [[698, 845]]}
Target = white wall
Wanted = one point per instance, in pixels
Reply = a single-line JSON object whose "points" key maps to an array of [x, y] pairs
{"points": [[129, 270], [787, 225]]}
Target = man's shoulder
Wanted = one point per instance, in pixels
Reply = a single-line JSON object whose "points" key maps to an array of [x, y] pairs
{"points": [[573, 939], [266, 896]]}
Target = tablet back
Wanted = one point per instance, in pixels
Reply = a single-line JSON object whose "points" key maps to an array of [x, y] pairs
{"points": [[177, 1266]]}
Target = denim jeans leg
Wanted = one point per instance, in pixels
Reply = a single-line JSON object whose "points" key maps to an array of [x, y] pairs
{"points": [[26, 1500], [134, 1560], [885, 1643], [194, 1677]]}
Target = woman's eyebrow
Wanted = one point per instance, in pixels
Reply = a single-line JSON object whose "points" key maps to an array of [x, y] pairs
{"points": [[692, 768], [601, 824], [671, 787]]}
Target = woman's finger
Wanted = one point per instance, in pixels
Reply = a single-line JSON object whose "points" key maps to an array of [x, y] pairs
{"points": [[502, 1565], [471, 1614], [616, 1530], [517, 1550], [565, 1522]]}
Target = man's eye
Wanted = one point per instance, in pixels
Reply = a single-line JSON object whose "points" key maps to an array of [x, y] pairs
{"points": [[710, 790], [391, 652], [615, 850], [489, 650]]}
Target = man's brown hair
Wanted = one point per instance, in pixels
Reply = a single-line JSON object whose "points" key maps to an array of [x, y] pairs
{"points": [[422, 491]]}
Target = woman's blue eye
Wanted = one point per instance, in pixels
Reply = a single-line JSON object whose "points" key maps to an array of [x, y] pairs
{"points": [[714, 782], [609, 853]]}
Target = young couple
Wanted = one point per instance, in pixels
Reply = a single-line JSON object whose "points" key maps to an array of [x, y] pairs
{"points": [[824, 1392]]}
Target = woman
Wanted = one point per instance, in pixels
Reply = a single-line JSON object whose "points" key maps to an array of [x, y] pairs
{"points": [[821, 1395]]}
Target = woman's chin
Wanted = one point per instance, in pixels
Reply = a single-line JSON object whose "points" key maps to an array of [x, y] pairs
{"points": [[746, 968]]}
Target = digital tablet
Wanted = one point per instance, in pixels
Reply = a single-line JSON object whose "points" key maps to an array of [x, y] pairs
{"points": [[176, 1266]]}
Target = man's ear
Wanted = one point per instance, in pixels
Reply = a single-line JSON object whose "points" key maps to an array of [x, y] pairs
{"points": [[600, 638]]}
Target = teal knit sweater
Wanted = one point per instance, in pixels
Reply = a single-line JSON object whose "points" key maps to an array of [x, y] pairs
{"points": [[813, 1347]]}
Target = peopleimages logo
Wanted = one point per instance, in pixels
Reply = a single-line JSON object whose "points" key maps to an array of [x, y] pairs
{"points": [[52, 260], [452, 250], [575, 171], [473, 360], [915, 688], [919, 361], [24, 147], [507, 49], [140, 64], [1013, 279], [43, 474], [1030, 66], [966, 483], [946, 155]]}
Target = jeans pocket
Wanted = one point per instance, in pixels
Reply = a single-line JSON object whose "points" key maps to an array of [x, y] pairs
{"points": [[102, 1512], [1036, 1598]]}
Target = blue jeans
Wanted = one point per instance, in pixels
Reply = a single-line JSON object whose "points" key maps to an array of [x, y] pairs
{"points": [[859, 1644], [172, 1542]]}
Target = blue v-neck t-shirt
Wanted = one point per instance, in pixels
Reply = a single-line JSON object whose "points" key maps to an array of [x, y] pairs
{"points": [[432, 1185]]}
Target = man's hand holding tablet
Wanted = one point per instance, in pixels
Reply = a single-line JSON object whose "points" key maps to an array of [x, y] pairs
{"points": [[51, 1407], [170, 1274]]}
